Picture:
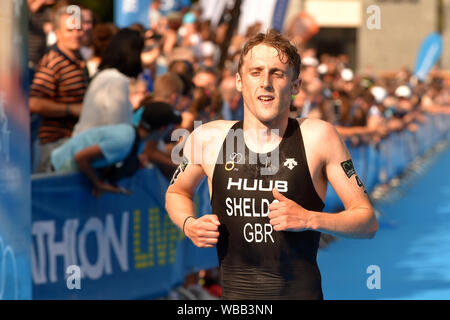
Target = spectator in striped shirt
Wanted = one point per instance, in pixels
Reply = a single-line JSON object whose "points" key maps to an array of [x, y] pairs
{"points": [[59, 85]]}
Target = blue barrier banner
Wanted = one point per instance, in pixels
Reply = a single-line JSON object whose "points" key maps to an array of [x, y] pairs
{"points": [[15, 213], [121, 246], [428, 54]]}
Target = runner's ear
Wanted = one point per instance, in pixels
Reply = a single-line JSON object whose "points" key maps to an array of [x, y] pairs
{"points": [[295, 87], [238, 82]]}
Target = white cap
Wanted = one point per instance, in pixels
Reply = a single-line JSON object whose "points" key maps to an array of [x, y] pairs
{"points": [[322, 69], [379, 93], [207, 49], [310, 61], [403, 92], [347, 74]]}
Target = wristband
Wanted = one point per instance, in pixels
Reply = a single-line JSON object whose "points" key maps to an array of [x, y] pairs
{"points": [[184, 223]]}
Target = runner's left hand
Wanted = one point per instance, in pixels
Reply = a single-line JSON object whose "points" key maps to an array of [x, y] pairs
{"points": [[287, 215]]}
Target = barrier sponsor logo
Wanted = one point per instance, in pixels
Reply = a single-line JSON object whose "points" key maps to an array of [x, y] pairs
{"points": [[160, 243], [73, 247], [153, 244]]}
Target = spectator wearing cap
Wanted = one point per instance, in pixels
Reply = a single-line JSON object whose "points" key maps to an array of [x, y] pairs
{"points": [[107, 98], [208, 54], [404, 105], [188, 31], [106, 146], [376, 118], [408, 107], [348, 83]]}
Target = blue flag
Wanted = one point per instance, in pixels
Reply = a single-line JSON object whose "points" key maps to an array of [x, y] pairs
{"points": [[127, 12], [278, 14], [429, 52]]}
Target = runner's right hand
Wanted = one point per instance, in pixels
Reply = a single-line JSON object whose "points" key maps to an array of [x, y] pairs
{"points": [[203, 231]]}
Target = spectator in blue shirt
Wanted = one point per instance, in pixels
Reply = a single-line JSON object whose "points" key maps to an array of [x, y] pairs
{"points": [[108, 146]]}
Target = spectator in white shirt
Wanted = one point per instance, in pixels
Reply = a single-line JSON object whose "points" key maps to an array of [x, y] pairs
{"points": [[107, 98]]}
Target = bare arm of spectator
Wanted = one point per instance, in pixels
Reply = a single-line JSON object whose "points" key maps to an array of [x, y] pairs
{"points": [[49, 108], [35, 5], [156, 156], [379, 125], [187, 121], [357, 130], [149, 57], [170, 40], [84, 159], [434, 108], [428, 105], [395, 124]]}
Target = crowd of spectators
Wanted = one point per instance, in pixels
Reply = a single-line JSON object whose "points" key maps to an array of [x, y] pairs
{"points": [[87, 74]]}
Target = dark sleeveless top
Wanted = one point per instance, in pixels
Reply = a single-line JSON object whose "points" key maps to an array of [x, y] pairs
{"points": [[257, 262]]}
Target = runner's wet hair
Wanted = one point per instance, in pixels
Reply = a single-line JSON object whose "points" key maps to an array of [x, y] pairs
{"points": [[287, 52]]}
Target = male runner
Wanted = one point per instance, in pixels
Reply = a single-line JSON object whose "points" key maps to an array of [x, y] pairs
{"points": [[267, 179]]}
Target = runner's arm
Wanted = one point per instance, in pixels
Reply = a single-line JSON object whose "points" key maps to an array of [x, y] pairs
{"points": [[358, 219], [180, 194], [203, 231]]}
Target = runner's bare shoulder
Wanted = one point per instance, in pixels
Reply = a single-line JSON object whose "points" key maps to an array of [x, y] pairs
{"points": [[317, 132], [315, 128], [204, 143]]}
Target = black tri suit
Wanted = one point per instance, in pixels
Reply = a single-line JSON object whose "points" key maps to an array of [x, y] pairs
{"points": [[257, 262]]}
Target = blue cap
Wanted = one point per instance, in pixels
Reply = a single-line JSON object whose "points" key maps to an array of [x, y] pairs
{"points": [[189, 18]]}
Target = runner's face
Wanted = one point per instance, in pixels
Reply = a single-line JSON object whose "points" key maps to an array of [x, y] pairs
{"points": [[266, 84]]}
